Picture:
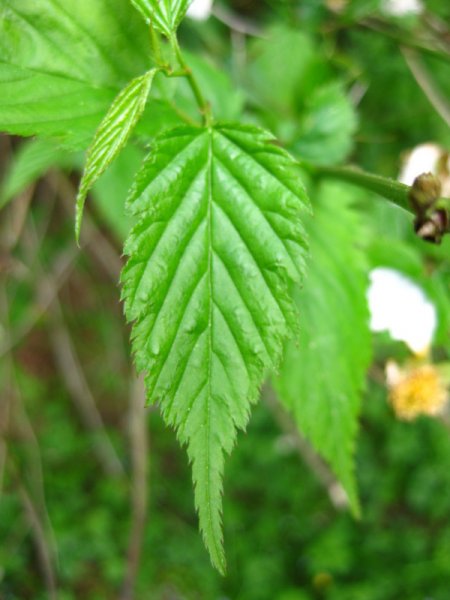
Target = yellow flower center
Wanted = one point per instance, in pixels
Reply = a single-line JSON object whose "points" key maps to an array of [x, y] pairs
{"points": [[419, 392]]}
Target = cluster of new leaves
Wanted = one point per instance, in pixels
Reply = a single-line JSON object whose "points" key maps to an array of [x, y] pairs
{"points": [[163, 15], [217, 253]]}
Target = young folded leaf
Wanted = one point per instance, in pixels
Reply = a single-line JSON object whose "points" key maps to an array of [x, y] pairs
{"points": [[112, 135], [323, 374], [164, 15], [217, 243]]}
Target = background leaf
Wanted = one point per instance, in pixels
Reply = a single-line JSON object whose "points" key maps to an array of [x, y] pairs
{"points": [[299, 96], [218, 240], [327, 124], [30, 162], [49, 105], [62, 64], [103, 43], [323, 373]]}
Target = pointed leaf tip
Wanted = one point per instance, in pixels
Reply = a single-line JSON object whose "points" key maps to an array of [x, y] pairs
{"points": [[207, 287]]}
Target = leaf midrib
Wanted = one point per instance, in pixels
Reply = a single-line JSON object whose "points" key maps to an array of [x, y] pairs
{"points": [[57, 75], [209, 175]]}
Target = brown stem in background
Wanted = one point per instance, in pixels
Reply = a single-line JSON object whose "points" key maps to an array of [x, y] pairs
{"points": [[236, 22], [71, 371], [34, 504], [6, 388], [61, 271], [73, 375], [139, 443], [16, 218], [324, 476], [40, 540], [425, 81], [98, 245]]}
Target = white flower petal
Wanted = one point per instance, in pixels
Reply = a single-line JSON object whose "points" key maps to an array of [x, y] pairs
{"points": [[423, 159], [200, 9], [399, 306], [399, 8]]}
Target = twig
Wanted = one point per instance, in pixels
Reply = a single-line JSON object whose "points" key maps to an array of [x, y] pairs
{"points": [[42, 529], [139, 442], [91, 237], [426, 83], [5, 405], [235, 22], [78, 387], [12, 411], [62, 270], [336, 493], [434, 48], [42, 547], [71, 371], [34, 475], [238, 54], [16, 217]]}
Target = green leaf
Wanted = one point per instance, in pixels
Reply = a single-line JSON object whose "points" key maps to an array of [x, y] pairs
{"points": [[281, 87], [63, 109], [50, 105], [318, 120], [62, 64], [323, 373], [217, 242], [327, 125], [101, 42], [164, 15], [112, 135], [30, 162]]}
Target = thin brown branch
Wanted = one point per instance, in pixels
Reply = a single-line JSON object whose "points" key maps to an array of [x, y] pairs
{"points": [[99, 246], [423, 43], [71, 371], [14, 415], [236, 22], [139, 443], [40, 539], [425, 81], [324, 476], [16, 217], [6, 387], [62, 270], [35, 511]]}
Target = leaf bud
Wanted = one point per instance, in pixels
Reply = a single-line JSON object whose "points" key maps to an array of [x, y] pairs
{"points": [[424, 192]]}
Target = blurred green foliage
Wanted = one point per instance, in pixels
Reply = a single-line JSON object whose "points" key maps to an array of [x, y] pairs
{"points": [[284, 536], [344, 92]]}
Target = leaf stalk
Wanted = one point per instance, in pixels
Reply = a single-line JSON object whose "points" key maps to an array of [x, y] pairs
{"points": [[186, 71], [432, 216]]}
